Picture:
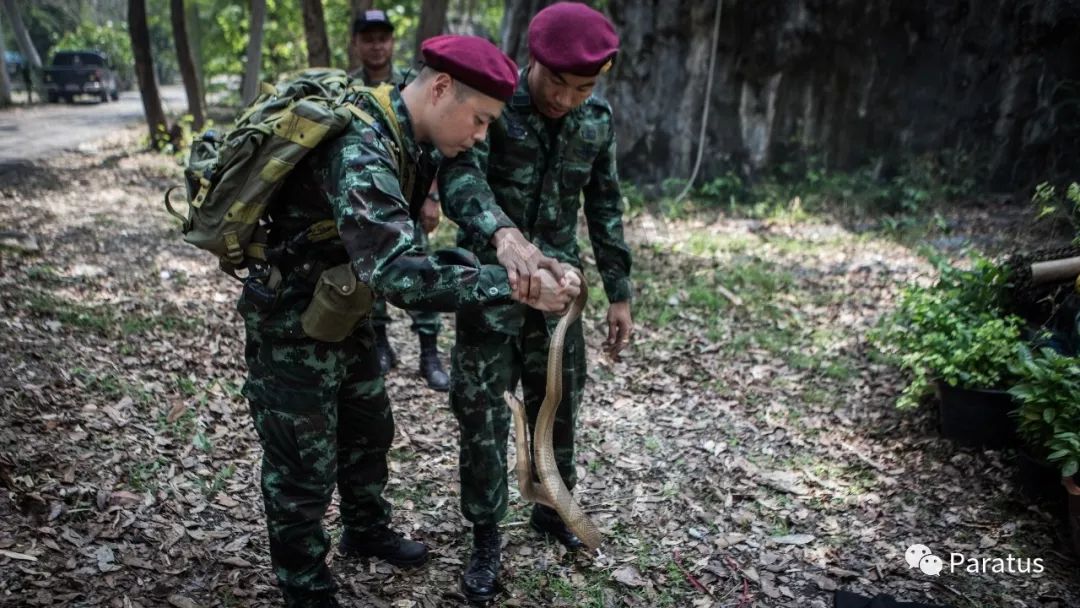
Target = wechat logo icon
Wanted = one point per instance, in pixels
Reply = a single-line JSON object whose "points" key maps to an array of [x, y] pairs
{"points": [[921, 557]]}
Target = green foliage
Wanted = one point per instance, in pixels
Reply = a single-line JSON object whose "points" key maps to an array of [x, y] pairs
{"points": [[110, 37], [223, 26], [811, 187], [1048, 390], [1050, 203], [728, 189], [954, 331], [633, 198]]}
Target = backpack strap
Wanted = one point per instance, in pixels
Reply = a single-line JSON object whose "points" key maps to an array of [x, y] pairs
{"points": [[383, 103]]}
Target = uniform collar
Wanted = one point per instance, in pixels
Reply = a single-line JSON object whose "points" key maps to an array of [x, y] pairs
{"points": [[522, 99], [413, 149], [396, 78]]}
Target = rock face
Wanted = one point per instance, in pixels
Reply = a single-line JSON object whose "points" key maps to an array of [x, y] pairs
{"points": [[847, 81]]}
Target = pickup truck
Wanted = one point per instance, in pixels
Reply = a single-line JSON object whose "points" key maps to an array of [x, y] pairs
{"points": [[75, 73]]}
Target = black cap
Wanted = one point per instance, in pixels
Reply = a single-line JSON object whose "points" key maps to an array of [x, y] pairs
{"points": [[370, 20]]}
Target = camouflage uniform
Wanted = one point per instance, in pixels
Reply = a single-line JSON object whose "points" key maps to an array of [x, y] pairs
{"points": [[530, 174], [320, 408], [423, 321]]}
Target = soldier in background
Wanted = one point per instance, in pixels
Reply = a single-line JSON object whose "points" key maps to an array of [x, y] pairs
{"points": [[318, 402], [373, 43], [516, 199]]}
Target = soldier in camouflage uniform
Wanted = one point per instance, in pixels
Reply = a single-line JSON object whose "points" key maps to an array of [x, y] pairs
{"points": [[319, 406], [373, 42], [521, 190]]}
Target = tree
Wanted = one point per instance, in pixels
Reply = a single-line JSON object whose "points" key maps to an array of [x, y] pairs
{"points": [[318, 49], [358, 7], [515, 26], [194, 37], [254, 51], [144, 72], [5, 84], [186, 61], [432, 21], [22, 37]]}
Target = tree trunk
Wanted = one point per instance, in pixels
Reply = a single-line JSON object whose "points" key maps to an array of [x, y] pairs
{"points": [[144, 71], [191, 19], [187, 65], [254, 51], [318, 50], [26, 46], [515, 27], [22, 37], [847, 83], [5, 84], [432, 22], [358, 7]]}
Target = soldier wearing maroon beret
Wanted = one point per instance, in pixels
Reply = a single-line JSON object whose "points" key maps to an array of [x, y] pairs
{"points": [[316, 392], [516, 198]]}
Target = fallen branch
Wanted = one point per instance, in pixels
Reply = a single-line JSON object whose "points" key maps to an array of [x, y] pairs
{"points": [[730, 295], [689, 577]]}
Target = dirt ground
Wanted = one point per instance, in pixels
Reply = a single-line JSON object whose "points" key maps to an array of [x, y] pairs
{"points": [[740, 455]]}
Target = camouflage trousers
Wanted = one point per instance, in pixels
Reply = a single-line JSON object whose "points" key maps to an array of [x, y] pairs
{"points": [[484, 364], [323, 420], [423, 322]]}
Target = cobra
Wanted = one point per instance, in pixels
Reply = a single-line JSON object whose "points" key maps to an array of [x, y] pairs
{"points": [[550, 490]]}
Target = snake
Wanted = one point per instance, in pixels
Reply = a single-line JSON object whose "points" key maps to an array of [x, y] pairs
{"points": [[550, 490]]}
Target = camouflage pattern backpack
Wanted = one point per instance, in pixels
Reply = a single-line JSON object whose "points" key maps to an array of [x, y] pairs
{"points": [[232, 179]]}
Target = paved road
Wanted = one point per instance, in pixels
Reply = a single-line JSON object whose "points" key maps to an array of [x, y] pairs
{"points": [[27, 134]]}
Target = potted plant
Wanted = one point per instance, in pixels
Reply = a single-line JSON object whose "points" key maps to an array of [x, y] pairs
{"points": [[954, 337], [1048, 393]]}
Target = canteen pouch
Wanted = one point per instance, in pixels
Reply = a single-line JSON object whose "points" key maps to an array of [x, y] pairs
{"points": [[339, 304]]}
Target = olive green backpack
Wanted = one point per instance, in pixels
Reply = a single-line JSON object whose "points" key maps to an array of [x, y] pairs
{"points": [[232, 179]]}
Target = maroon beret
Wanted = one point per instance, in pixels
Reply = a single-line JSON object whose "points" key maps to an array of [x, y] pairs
{"points": [[473, 61], [571, 37]]}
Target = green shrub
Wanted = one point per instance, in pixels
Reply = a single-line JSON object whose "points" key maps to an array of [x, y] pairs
{"points": [[954, 331], [1048, 390]]}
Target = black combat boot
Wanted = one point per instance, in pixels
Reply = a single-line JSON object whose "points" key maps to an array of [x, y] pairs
{"points": [[546, 521], [387, 358], [480, 582], [430, 366], [384, 543]]}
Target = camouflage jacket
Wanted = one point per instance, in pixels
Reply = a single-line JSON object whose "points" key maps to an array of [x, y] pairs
{"points": [[354, 180], [531, 173], [398, 76]]}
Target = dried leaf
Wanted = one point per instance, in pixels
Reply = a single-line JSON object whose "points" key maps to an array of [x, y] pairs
{"points": [[19, 556], [176, 411], [233, 560], [792, 539], [629, 576]]}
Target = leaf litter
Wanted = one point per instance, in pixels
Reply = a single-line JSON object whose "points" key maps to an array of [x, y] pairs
{"points": [[745, 452]]}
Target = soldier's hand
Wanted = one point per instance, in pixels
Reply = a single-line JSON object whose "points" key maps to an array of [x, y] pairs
{"points": [[571, 277], [554, 296], [620, 326], [523, 262], [429, 214]]}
